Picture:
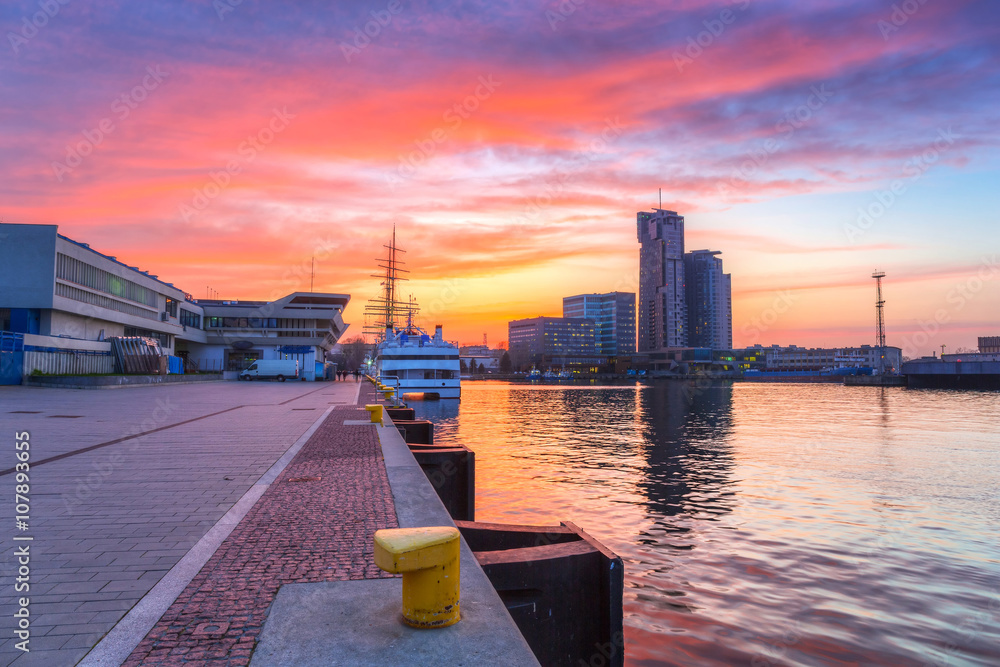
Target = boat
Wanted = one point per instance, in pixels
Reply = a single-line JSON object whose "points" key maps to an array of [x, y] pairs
{"points": [[406, 357], [416, 363], [534, 374]]}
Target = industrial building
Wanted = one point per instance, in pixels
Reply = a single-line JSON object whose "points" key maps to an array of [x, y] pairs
{"points": [[68, 299]]}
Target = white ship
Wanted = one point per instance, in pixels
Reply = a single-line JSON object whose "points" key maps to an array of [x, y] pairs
{"points": [[416, 363], [407, 358]]}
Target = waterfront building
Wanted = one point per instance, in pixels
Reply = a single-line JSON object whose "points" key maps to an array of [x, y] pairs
{"points": [[662, 309], [553, 341], [709, 297], [989, 344], [70, 297], [613, 314], [799, 359]]}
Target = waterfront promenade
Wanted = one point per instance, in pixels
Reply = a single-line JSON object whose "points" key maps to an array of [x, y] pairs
{"points": [[126, 483]]}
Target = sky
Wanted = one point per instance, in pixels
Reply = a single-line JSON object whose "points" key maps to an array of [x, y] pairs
{"points": [[224, 144]]}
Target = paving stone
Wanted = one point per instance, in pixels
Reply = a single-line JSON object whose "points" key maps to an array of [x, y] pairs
{"points": [[297, 532], [150, 499]]}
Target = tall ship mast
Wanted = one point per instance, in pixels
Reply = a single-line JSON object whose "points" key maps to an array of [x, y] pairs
{"points": [[407, 357], [383, 312]]}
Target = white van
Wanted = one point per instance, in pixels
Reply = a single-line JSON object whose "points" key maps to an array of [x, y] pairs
{"points": [[279, 369]]}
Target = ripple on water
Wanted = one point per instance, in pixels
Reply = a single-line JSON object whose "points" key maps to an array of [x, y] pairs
{"points": [[762, 524]]}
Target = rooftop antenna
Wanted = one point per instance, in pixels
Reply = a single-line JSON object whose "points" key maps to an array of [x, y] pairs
{"points": [[484, 341], [661, 197], [942, 350], [879, 321]]}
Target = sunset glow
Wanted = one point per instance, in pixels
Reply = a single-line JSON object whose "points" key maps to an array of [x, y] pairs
{"points": [[224, 145]]}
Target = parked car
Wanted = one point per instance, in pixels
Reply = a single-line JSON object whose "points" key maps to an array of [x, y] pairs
{"points": [[276, 369]]}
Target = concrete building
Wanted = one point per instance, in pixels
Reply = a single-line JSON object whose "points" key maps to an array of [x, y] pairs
{"points": [[302, 326], [73, 298], [709, 297], [614, 319], [552, 341], [662, 311]]}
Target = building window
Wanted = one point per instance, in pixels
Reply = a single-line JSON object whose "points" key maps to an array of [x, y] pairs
{"points": [[73, 270], [190, 319], [102, 301], [171, 307]]}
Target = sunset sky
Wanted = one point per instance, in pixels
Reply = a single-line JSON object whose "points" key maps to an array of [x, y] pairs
{"points": [[225, 144]]}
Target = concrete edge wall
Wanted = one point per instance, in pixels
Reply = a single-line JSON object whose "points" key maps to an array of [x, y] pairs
{"points": [[417, 505]]}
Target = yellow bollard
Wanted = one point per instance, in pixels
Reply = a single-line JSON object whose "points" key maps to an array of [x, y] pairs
{"points": [[428, 559], [388, 393], [375, 413]]}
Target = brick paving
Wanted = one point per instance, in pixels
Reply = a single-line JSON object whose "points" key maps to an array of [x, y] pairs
{"points": [[315, 523], [109, 522]]}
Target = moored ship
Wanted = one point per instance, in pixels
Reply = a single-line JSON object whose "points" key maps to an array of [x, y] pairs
{"points": [[406, 357], [415, 362]]}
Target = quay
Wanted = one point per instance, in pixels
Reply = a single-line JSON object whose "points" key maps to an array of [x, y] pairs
{"points": [[226, 523]]}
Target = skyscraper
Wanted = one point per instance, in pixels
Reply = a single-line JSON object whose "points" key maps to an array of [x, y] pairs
{"points": [[662, 312], [614, 319], [709, 301]]}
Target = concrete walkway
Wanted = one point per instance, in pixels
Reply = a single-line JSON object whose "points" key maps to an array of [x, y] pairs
{"points": [[126, 483], [315, 523]]}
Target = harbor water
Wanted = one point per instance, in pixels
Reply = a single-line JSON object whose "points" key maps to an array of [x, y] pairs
{"points": [[761, 524]]}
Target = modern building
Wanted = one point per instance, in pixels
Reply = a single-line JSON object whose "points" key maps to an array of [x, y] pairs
{"points": [[553, 341], [662, 311], [302, 326], [62, 291], [989, 344], [614, 319], [709, 298]]}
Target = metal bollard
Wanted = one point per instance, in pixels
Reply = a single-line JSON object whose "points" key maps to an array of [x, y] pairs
{"points": [[375, 413], [428, 559]]}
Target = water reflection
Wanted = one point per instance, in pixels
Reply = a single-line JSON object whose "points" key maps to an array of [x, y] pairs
{"points": [[761, 524], [686, 427]]}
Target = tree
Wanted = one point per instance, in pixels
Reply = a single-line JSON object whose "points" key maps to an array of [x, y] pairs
{"points": [[505, 363], [354, 350], [463, 366], [482, 369]]}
